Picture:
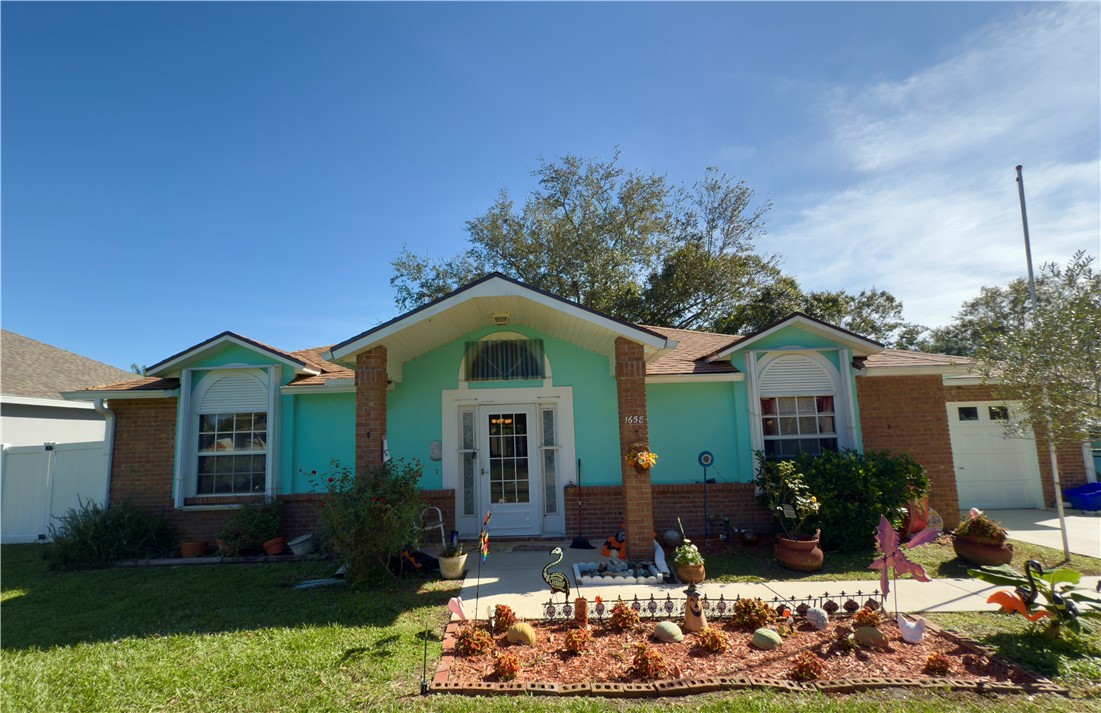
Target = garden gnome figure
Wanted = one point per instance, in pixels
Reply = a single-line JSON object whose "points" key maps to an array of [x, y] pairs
{"points": [[694, 618]]}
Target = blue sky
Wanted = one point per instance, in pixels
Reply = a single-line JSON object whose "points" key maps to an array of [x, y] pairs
{"points": [[170, 171]]}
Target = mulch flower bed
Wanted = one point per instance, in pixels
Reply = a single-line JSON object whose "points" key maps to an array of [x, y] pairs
{"points": [[608, 666]]}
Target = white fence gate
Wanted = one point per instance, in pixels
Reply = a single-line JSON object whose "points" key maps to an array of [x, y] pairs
{"points": [[40, 483]]}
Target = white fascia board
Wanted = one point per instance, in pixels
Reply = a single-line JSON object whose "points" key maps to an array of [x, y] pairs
{"points": [[946, 371], [173, 366], [859, 345], [693, 378], [93, 395], [968, 380], [52, 403], [497, 288]]}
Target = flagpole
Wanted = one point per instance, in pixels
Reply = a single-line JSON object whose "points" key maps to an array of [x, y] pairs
{"points": [[1056, 485]]}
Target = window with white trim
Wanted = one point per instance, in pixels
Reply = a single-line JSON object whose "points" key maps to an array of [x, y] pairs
{"points": [[230, 437], [232, 457], [792, 425]]}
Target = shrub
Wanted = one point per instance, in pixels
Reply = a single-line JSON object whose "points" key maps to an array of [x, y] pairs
{"points": [[90, 535], [473, 641], [938, 664], [649, 663], [866, 617], [507, 667], [624, 618], [713, 640], [753, 613], [503, 617], [853, 489], [577, 640], [979, 525], [253, 524], [371, 517], [808, 667]]}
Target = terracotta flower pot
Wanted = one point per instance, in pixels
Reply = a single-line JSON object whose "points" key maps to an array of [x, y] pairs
{"points": [[452, 567], [802, 555], [275, 546], [193, 548], [691, 573], [982, 551]]}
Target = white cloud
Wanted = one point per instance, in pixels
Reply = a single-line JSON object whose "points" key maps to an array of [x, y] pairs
{"points": [[932, 212]]}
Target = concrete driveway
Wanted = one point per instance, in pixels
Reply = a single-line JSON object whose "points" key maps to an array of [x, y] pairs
{"points": [[1041, 527]]}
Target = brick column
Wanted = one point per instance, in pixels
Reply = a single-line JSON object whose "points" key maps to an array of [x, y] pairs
{"points": [[371, 381], [630, 376]]}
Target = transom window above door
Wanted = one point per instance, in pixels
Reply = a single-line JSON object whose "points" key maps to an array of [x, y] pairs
{"points": [[505, 360], [792, 425]]}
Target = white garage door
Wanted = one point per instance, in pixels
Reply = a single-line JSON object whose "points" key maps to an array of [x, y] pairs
{"points": [[992, 471]]}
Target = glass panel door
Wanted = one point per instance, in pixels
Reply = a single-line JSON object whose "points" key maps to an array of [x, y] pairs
{"points": [[508, 467]]}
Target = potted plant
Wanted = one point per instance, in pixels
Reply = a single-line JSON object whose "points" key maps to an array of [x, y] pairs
{"points": [[452, 560], [251, 527], [689, 563], [981, 541], [787, 496]]}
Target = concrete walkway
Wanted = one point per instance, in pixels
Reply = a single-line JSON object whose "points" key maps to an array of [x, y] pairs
{"points": [[514, 578], [1041, 527]]}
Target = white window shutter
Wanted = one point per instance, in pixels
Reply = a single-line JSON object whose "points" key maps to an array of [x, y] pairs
{"points": [[235, 393], [795, 375]]}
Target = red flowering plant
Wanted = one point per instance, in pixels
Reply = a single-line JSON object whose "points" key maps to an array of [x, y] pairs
{"points": [[370, 517]]}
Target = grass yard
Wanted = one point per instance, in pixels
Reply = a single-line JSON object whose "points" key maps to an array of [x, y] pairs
{"points": [[240, 638], [756, 564]]}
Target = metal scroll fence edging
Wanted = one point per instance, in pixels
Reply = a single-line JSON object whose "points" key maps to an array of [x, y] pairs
{"points": [[657, 608]]}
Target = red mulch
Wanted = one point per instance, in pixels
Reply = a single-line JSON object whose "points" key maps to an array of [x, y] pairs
{"points": [[610, 655]]}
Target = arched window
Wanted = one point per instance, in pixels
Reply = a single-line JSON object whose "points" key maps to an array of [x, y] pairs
{"points": [[231, 430], [504, 360], [800, 403]]}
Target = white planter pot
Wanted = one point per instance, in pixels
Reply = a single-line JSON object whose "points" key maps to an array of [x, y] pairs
{"points": [[452, 567]]}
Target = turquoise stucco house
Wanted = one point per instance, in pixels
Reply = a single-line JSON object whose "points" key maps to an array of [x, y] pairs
{"points": [[510, 397]]}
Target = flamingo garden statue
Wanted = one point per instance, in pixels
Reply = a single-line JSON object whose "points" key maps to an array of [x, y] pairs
{"points": [[557, 581]]}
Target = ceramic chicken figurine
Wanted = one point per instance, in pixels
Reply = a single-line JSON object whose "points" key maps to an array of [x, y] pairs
{"points": [[912, 632]]}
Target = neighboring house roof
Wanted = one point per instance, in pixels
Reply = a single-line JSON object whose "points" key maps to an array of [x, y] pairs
{"points": [[34, 370]]}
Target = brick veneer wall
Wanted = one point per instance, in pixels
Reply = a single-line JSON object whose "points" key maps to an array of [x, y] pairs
{"points": [[1072, 465], [906, 414], [371, 383], [601, 509], [630, 375]]}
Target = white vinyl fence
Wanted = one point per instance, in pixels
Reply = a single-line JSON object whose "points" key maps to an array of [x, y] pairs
{"points": [[40, 483]]}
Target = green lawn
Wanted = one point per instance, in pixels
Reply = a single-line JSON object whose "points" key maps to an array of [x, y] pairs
{"points": [[756, 564], [240, 638]]}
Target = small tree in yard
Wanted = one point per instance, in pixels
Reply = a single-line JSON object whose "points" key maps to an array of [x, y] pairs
{"points": [[1049, 358], [370, 518]]}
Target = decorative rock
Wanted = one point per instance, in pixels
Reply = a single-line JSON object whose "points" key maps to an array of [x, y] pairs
{"points": [[870, 636], [818, 618], [521, 633], [766, 639], [668, 632]]}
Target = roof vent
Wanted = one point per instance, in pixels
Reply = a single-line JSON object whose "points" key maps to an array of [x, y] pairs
{"points": [[500, 319]]}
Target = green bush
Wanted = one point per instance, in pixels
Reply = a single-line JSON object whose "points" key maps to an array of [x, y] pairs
{"points": [[370, 518], [253, 524], [91, 536], [854, 489]]}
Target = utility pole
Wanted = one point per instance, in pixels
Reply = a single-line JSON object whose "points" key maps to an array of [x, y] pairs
{"points": [[1043, 384]]}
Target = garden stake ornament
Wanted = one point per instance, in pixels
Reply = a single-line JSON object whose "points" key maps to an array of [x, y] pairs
{"points": [[556, 580], [483, 543], [895, 559]]}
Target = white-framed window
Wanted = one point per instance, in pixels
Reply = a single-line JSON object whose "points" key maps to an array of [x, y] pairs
{"points": [[227, 440], [792, 425], [232, 453], [505, 360]]}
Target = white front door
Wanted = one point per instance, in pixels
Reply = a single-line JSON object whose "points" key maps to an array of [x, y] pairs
{"points": [[509, 469], [992, 470]]}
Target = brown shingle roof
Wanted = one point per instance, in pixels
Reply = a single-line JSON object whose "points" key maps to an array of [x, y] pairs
{"points": [[689, 356], [32, 369], [899, 358], [143, 383]]}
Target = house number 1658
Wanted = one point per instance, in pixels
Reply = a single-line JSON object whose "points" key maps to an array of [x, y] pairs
{"points": [[634, 419]]}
